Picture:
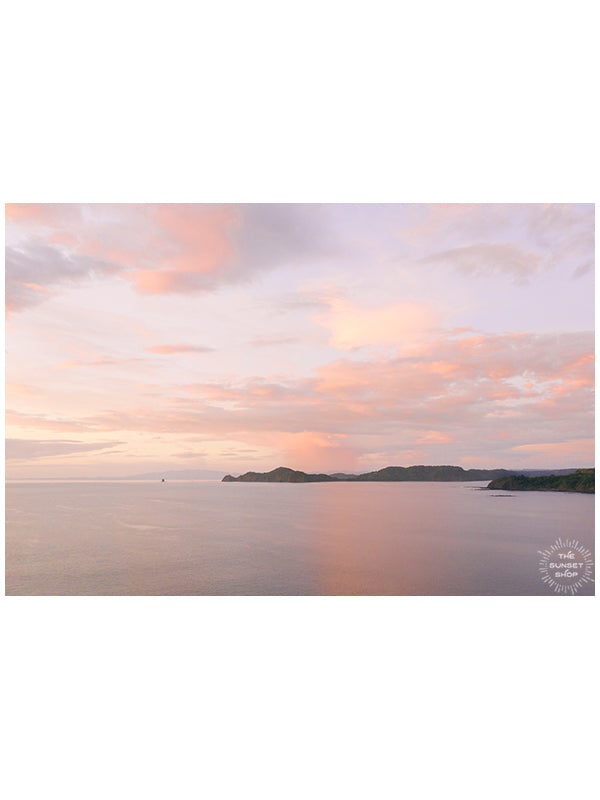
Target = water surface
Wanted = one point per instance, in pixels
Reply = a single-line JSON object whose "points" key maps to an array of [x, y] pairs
{"points": [[213, 538]]}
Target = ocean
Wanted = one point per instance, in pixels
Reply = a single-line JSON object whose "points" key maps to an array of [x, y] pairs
{"points": [[213, 538]]}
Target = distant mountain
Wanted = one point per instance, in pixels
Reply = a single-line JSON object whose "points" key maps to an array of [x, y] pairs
{"points": [[582, 480], [423, 473], [416, 473], [280, 475]]}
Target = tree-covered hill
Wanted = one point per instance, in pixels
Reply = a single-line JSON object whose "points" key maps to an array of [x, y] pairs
{"points": [[583, 480]]}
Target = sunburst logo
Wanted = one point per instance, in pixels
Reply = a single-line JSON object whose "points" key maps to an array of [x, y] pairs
{"points": [[566, 566]]}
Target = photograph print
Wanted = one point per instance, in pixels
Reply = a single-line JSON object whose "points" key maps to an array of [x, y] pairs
{"points": [[299, 399]]}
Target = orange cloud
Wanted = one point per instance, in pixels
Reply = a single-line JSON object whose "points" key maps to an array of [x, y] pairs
{"points": [[200, 235], [309, 450], [441, 402], [434, 437], [35, 286], [192, 242], [20, 388], [38, 212], [583, 449], [160, 249], [37, 422], [159, 281], [399, 325]]}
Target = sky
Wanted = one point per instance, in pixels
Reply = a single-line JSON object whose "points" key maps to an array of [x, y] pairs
{"points": [[321, 337]]}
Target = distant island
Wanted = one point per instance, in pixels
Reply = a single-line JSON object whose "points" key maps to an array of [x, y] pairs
{"points": [[415, 473], [582, 480], [281, 475]]}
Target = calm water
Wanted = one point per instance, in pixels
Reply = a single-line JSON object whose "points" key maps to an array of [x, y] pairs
{"points": [[201, 538]]}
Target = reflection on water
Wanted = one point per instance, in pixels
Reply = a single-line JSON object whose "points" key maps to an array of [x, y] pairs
{"points": [[201, 538]]}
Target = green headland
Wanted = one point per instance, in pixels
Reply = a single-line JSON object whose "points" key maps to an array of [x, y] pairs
{"points": [[582, 480]]}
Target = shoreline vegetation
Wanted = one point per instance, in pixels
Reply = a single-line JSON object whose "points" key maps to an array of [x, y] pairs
{"points": [[567, 480], [582, 480]]}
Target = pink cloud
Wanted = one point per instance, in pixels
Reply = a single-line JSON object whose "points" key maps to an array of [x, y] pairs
{"points": [[20, 389], [582, 449], [515, 239], [199, 235], [308, 450], [27, 449], [158, 281], [37, 422], [485, 258], [180, 248], [193, 245], [102, 361], [434, 437], [42, 213], [35, 286], [168, 349], [160, 249], [399, 325], [443, 403]]}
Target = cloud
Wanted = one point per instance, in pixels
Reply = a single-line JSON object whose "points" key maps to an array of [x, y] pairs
{"points": [[399, 384], [193, 247], [20, 419], [35, 269], [583, 269], [99, 361], [189, 248], [272, 341], [159, 248], [580, 451], [434, 437], [306, 449], [169, 349], [21, 389], [31, 449], [485, 259], [456, 396], [513, 239], [399, 325], [304, 300]]}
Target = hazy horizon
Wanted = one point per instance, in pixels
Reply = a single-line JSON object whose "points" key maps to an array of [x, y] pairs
{"points": [[217, 474], [331, 338]]}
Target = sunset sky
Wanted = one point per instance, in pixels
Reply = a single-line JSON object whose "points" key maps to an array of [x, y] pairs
{"points": [[321, 337]]}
